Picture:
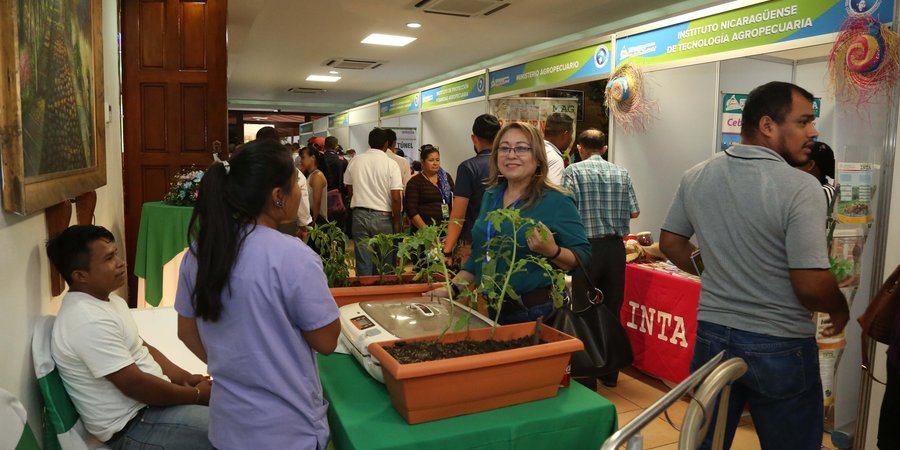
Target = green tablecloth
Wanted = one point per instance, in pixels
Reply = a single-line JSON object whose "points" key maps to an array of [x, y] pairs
{"points": [[163, 234], [361, 417]]}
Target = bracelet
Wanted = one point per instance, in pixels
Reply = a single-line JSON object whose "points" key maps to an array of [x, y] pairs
{"points": [[197, 402], [558, 251]]}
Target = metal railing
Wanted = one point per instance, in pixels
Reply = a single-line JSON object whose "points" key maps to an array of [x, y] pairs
{"points": [[630, 434]]}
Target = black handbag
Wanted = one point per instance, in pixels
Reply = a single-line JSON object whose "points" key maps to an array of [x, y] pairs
{"points": [[606, 345]]}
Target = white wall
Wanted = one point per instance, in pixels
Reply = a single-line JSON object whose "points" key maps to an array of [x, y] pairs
{"points": [[450, 129], [25, 280], [814, 78], [679, 136], [359, 136], [342, 134]]}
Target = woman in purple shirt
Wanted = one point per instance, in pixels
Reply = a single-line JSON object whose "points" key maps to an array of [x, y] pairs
{"points": [[254, 305]]}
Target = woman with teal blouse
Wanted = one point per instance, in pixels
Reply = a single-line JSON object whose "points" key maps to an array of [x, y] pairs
{"points": [[518, 179]]}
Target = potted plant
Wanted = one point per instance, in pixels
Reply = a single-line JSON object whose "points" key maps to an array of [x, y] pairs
{"points": [[336, 261], [436, 389]]}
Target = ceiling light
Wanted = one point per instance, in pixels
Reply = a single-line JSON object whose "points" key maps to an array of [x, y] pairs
{"points": [[333, 72], [325, 78], [414, 25], [387, 39]]}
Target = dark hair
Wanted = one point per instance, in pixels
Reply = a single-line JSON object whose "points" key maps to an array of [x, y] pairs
{"points": [[320, 158], [592, 139], [822, 154], [426, 150], [772, 99], [486, 127], [70, 250], [392, 137], [229, 199], [558, 123], [416, 166], [331, 143], [378, 137], [267, 133]]}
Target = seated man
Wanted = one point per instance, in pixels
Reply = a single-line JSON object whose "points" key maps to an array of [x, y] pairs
{"points": [[125, 390]]}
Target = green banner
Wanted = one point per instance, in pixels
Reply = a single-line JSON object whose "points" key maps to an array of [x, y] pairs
{"points": [[453, 92], [338, 120], [568, 66], [752, 26], [400, 105], [306, 128]]}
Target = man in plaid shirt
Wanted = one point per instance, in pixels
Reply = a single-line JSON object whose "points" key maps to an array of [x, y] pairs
{"points": [[607, 203]]}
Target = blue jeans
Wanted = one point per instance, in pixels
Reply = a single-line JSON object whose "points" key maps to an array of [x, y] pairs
{"points": [[165, 427], [782, 386], [367, 223], [512, 312]]}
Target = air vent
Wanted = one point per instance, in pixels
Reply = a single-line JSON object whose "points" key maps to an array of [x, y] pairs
{"points": [[352, 64], [304, 90], [462, 8]]}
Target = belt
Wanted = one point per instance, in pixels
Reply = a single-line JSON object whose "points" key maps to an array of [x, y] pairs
{"points": [[536, 297], [608, 237], [386, 213]]}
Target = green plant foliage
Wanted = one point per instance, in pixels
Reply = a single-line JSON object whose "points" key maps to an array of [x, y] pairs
{"points": [[381, 247], [332, 244]]}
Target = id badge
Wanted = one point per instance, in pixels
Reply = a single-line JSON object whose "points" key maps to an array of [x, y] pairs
{"points": [[445, 210]]}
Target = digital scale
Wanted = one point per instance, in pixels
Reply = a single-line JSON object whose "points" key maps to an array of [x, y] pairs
{"points": [[384, 320]]}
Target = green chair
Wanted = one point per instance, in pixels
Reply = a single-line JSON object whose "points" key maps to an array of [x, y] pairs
{"points": [[63, 429], [14, 430]]}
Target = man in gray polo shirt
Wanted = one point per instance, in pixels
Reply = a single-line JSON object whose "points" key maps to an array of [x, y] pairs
{"points": [[759, 223]]}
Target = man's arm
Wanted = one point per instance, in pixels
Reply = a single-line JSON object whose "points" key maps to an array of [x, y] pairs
{"points": [[678, 249], [395, 208], [152, 390], [817, 290], [635, 215], [457, 218], [170, 369]]}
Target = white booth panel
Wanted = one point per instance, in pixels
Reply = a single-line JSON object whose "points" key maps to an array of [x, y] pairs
{"points": [[741, 75], [320, 126], [342, 134], [678, 137], [359, 136], [364, 114], [390, 122], [451, 130]]}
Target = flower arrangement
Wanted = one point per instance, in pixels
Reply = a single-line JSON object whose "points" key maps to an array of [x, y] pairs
{"points": [[184, 188]]}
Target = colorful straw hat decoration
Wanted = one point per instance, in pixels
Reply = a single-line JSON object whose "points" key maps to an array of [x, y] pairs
{"points": [[625, 98], [865, 59]]}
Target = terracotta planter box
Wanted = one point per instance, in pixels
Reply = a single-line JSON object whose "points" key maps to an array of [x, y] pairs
{"points": [[363, 289], [426, 391]]}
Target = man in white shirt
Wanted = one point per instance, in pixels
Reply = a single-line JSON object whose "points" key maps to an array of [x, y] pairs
{"points": [[126, 391], [374, 186], [402, 163], [559, 130]]}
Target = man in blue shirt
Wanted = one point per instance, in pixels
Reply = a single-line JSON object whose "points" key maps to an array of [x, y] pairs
{"points": [[469, 188], [606, 202]]}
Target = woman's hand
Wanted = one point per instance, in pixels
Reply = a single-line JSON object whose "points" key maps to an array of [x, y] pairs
{"points": [[536, 243]]}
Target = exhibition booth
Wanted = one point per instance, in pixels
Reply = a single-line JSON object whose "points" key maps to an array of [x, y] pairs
{"points": [[697, 70]]}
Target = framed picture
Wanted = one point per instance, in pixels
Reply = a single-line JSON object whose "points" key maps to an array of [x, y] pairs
{"points": [[572, 94], [52, 135]]}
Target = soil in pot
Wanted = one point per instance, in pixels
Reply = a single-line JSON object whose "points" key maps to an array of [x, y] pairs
{"points": [[421, 351]]}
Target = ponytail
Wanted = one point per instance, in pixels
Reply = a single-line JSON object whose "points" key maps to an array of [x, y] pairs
{"points": [[232, 194]]}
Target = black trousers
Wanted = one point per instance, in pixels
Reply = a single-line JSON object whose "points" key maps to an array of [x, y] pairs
{"points": [[888, 432], [607, 271]]}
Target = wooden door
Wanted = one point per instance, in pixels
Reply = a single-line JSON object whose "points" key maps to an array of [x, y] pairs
{"points": [[174, 96]]}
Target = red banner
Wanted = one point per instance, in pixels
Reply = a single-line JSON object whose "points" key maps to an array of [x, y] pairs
{"points": [[660, 315]]}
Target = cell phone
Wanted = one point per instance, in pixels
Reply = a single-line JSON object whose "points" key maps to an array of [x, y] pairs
{"points": [[697, 261]]}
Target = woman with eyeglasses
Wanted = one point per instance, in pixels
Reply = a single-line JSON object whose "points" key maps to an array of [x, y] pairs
{"points": [[518, 179], [429, 194]]}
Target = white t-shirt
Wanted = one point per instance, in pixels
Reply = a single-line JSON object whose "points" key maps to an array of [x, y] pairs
{"points": [[373, 176], [555, 164], [403, 164], [93, 338], [304, 217]]}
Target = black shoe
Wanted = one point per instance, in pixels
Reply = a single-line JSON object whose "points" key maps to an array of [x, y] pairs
{"points": [[610, 383]]}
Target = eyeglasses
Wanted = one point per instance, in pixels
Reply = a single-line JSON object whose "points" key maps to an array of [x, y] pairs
{"points": [[519, 150]]}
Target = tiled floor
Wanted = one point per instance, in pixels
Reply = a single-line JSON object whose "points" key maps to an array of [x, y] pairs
{"points": [[636, 391]]}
